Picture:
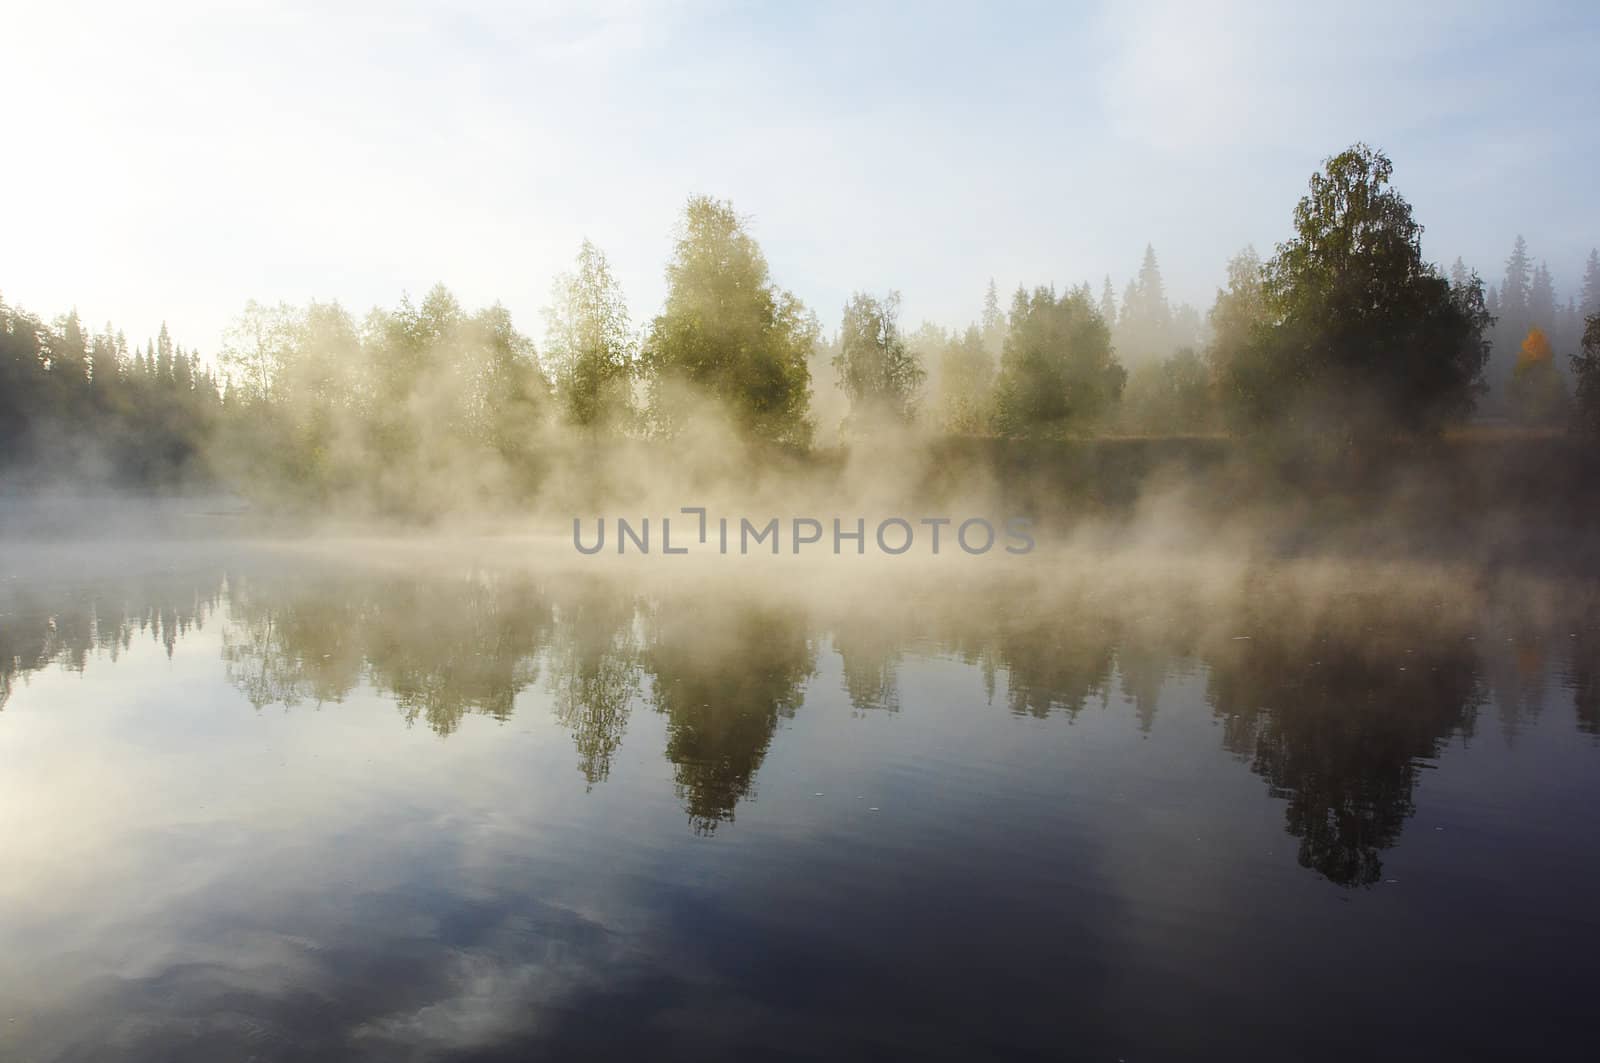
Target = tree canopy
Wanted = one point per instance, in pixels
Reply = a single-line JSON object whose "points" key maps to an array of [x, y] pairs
{"points": [[589, 346], [876, 367], [1057, 370], [729, 333], [1359, 333]]}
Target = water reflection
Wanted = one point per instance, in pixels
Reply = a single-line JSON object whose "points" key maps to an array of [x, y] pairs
{"points": [[472, 812], [1582, 672], [724, 673], [1337, 708], [869, 652], [1336, 699], [595, 670], [64, 620]]}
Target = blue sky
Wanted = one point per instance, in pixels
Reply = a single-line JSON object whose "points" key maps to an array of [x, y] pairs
{"points": [[186, 157]]}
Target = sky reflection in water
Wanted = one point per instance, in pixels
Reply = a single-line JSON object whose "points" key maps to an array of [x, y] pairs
{"points": [[281, 808]]}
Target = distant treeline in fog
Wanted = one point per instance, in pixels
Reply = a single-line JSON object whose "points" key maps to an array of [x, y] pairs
{"points": [[1345, 333]]}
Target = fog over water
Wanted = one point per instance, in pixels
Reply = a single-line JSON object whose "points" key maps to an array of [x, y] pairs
{"points": [[332, 802], [696, 532]]}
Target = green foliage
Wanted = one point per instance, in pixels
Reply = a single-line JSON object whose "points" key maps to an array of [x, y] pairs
{"points": [[419, 407], [729, 333], [876, 368], [589, 345], [1144, 329], [1171, 397], [1360, 336], [83, 407], [1057, 370], [1345, 332], [458, 397], [993, 323], [1586, 369], [966, 377], [1239, 313]]}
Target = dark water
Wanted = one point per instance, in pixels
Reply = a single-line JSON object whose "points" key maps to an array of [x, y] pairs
{"points": [[263, 807]]}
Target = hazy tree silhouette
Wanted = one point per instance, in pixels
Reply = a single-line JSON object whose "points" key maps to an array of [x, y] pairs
{"points": [[1143, 327], [1058, 655], [441, 648], [1237, 317], [80, 407], [64, 623], [1582, 672], [1172, 396], [1586, 370], [1325, 713], [1361, 335], [1537, 393], [966, 377], [869, 651], [724, 673], [1057, 370], [595, 671], [729, 333], [287, 643], [876, 368], [589, 345]]}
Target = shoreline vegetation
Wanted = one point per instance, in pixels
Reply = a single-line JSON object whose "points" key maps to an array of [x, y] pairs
{"points": [[1342, 381]]}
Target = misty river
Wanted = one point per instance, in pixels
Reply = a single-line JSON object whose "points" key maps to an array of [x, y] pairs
{"points": [[290, 804]]}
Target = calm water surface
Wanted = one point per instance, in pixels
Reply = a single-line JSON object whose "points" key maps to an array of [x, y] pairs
{"points": [[257, 805]]}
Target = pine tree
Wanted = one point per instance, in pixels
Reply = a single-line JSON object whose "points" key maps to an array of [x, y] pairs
{"points": [[1058, 372], [69, 351], [1516, 289], [104, 368], [994, 321], [1542, 298], [1144, 330], [1152, 291], [1108, 303], [1590, 303], [1513, 318]]}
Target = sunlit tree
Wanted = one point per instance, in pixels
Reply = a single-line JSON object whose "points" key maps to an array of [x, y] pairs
{"points": [[1169, 397], [729, 333], [966, 378], [1057, 370], [876, 367], [1362, 335], [589, 346]]}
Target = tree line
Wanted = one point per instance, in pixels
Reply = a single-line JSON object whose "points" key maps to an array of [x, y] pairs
{"points": [[1346, 332]]}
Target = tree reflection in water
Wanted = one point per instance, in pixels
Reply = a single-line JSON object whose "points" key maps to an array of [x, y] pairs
{"points": [[724, 673], [1334, 697]]}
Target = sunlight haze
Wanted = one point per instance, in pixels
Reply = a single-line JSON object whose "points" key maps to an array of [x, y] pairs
{"points": [[187, 157]]}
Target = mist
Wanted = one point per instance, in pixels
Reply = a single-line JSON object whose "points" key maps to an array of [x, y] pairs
{"points": [[1278, 419], [742, 677]]}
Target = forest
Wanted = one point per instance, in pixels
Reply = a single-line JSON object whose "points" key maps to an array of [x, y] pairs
{"points": [[1345, 335]]}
